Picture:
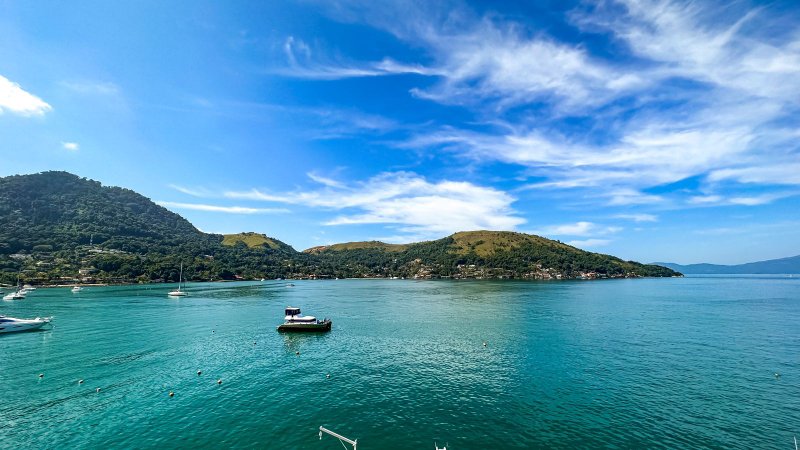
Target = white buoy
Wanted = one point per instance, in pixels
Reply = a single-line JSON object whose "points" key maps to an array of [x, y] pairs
{"points": [[41, 375], [80, 381], [219, 381], [97, 390], [171, 394], [328, 376]]}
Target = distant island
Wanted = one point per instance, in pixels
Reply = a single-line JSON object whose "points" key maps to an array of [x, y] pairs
{"points": [[57, 228], [771, 266]]}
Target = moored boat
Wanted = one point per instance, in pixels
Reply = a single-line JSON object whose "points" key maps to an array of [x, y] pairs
{"points": [[16, 295], [294, 321], [10, 324], [178, 292], [76, 289]]}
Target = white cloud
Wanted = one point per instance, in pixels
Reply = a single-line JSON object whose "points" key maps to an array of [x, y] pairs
{"points": [[632, 197], [325, 180], [18, 101], [709, 90], [589, 243], [194, 192], [638, 217], [302, 65], [788, 173], [649, 155], [741, 200], [406, 201], [223, 209], [582, 228], [71, 146], [92, 87], [704, 199]]}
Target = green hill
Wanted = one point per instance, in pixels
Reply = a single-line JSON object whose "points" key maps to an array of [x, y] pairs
{"points": [[56, 227], [256, 240], [55, 224], [478, 254]]}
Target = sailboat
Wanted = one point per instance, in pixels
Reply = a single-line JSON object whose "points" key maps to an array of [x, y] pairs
{"points": [[19, 294], [178, 292]]}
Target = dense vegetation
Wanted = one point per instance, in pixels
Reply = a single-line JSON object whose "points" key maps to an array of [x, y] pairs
{"points": [[479, 254], [56, 227], [55, 224]]}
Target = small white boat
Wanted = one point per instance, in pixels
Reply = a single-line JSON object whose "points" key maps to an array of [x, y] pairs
{"points": [[10, 324], [178, 292], [76, 289], [295, 322], [29, 288], [16, 295]]}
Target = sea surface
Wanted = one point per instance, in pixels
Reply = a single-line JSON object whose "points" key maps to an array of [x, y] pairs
{"points": [[638, 363]]}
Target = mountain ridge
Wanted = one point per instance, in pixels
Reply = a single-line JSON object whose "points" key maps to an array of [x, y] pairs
{"points": [[787, 265], [57, 227]]}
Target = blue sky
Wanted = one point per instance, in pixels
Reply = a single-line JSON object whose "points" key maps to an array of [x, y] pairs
{"points": [[651, 130]]}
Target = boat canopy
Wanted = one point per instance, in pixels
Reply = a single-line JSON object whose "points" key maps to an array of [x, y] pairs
{"points": [[292, 311]]}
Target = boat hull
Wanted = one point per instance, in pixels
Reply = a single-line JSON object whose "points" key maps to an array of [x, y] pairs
{"points": [[22, 325], [306, 327]]}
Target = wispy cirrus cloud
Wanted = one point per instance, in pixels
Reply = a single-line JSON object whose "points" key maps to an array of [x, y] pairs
{"points": [[222, 209], [193, 191], [641, 217], [582, 228], [92, 87], [688, 90], [414, 206], [302, 64], [18, 101], [589, 243]]}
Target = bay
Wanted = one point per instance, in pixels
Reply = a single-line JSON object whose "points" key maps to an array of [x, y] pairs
{"points": [[635, 363]]}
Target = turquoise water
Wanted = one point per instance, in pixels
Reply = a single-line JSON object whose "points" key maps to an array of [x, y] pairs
{"points": [[649, 363]]}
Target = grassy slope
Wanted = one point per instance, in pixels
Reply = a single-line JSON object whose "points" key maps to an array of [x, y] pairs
{"points": [[377, 245], [252, 240]]}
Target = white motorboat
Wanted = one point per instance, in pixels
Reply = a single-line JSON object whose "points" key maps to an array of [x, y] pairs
{"points": [[296, 322], [28, 288], [76, 289], [16, 295], [10, 324], [178, 292]]}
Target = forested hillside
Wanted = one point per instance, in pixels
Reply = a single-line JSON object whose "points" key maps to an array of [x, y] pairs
{"points": [[56, 227], [55, 224], [479, 254]]}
